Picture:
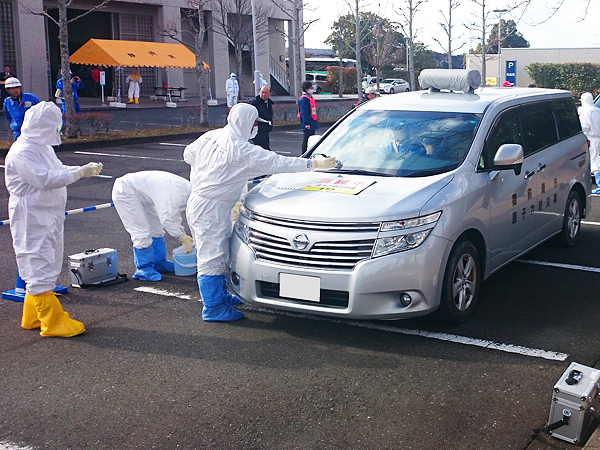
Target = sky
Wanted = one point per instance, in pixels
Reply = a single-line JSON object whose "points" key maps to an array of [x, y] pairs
{"points": [[566, 29]]}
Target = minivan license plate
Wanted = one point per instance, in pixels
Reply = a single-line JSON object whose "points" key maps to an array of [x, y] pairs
{"points": [[300, 287]]}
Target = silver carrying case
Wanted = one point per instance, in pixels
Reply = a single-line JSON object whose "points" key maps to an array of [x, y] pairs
{"points": [[93, 267], [575, 402]]}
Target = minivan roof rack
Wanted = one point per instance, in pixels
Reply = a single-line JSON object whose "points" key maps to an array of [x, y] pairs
{"points": [[450, 79]]}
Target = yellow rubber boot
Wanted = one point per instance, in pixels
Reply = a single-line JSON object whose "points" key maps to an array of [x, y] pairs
{"points": [[55, 321], [130, 100], [30, 319], [137, 100]]}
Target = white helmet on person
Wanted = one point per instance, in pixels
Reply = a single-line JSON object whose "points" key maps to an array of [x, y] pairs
{"points": [[12, 82]]}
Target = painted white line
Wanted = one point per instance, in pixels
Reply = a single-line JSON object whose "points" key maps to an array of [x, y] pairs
{"points": [[127, 156], [174, 145], [585, 222], [509, 348], [293, 132], [103, 176], [560, 265], [1, 167], [8, 446], [151, 290]]}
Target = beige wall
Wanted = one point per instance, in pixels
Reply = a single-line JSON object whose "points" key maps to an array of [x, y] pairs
{"points": [[526, 56]]}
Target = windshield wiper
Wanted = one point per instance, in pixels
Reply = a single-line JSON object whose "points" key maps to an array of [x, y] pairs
{"points": [[360, 172], [427, 172]]}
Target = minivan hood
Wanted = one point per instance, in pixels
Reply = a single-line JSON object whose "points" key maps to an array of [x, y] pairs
{"points": [[388, 198]]}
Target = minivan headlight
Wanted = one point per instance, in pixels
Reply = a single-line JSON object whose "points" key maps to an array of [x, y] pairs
{"points": [[242, 230], [410, 223], [385, 246]]}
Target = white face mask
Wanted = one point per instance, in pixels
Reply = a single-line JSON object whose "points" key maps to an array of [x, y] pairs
{"points": [[253, 132], [311, 91]]}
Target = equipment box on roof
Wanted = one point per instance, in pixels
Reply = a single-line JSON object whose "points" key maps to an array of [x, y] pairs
{"points": [[93, 267]]}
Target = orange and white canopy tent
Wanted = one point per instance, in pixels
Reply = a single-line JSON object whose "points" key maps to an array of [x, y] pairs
{"points": [[115, 53]]}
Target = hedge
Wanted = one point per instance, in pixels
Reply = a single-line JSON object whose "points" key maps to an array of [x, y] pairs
{"points": [[349, 79], [575, 77]]}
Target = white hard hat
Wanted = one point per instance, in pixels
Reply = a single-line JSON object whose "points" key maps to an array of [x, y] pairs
{"points": [[232, 75], [12, 82]]}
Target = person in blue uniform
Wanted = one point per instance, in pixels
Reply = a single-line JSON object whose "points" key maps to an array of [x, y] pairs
{"points": [[16, 104], [76, 83]]}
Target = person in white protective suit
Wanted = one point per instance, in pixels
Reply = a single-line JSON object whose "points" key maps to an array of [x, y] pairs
{"points": [[222, 161], [232, 88], [134, 79], [36, 181], [149, 203], [589, 115]]}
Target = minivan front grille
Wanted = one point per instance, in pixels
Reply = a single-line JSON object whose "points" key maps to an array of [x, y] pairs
{"points": [[352, 227], [327, 298], [339, 255]]}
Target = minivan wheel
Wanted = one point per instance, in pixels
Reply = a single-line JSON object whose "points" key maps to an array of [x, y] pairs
{"points": [[571, 221], [391, 90], [461, 284]]}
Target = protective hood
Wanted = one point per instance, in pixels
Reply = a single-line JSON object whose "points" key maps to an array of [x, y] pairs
{"points": [[587, 100], [241, 119], [42, 124]]}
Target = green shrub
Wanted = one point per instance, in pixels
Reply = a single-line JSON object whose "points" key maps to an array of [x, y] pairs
{"points": [[575, 77], [349, 79]]}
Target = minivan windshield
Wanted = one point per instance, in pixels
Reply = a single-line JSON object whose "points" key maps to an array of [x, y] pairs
{"points": [[400, 143]]}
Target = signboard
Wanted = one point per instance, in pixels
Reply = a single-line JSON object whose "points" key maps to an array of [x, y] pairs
{"points": [[490, 81], [339, 185], [102, 78], [511, 72]]}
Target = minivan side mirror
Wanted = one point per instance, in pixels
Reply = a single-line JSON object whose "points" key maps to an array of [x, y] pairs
{"points": [[509, 156], [313, 140]]}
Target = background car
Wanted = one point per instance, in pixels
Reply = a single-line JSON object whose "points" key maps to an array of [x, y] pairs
{"points": [[372, 82], [318, 79], [393, 85]]}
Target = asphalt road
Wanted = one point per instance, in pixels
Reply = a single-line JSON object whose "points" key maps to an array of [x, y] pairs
{"points": [[149, 374]]}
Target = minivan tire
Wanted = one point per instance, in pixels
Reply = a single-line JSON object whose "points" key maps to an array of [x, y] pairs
{"points": [[462, 279], [571, 221], [391, 90]]}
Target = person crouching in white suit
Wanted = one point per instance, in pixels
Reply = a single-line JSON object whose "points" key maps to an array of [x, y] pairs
{"points": [[36, 181], [222, 161], [148, 203]]}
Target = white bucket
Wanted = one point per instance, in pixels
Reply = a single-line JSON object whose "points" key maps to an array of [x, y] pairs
{"points": [[185, 263]]}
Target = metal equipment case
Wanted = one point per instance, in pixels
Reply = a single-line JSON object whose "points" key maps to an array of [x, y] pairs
{"points": [[93, 267], [575, 401]]}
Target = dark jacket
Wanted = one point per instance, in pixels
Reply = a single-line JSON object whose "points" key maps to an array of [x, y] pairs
{"points": [[265, 111]]}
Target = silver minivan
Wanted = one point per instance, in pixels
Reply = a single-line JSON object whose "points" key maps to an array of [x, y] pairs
{"points": [[438, 190]]}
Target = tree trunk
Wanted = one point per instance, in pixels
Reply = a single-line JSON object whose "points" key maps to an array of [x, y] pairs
{"points": [[200, 68], [483, 52], [238, 68], [71, 128], [341, 79], [297, 54], [357, 51]]}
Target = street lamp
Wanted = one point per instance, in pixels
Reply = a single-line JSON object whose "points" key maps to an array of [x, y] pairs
{"points": [[257, 85], [500, 12]]}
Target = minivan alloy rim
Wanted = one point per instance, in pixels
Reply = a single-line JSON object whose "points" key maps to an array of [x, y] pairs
{"points": [[573, 218], [463, 286]]}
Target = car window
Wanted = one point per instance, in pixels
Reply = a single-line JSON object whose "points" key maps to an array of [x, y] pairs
{"points": [[539, 128], [506, 130], [566, 115], [321, 77], [401, 143]]}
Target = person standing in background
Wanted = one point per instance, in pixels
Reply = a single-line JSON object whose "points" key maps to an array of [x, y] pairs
{"points": [[96, 81], [307, 112], [134, 79], [589, 116], [75, 84], [5, 76], [263, 103], [233, 89], [16, 104]]}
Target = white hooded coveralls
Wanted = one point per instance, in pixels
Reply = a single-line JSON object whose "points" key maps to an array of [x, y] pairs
{"points": [[149, 203], [36, 181], [222, 163], [134, 80], [589, 115], [232, 88]]}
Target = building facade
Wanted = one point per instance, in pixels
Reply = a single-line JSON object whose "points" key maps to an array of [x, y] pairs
{"points": [[30, 46]]}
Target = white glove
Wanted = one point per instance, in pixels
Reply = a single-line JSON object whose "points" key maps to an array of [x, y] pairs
{"points": [[89, 170], [187, 242], [236, 210], [323, 163]]}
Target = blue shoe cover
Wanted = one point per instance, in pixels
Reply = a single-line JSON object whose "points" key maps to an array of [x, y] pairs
{"points": [[214, 301], [596, 191], [231, 299], [597, 177], [161, 263], [144, 264]]}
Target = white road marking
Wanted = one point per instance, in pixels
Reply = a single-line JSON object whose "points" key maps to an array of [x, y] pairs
{"points": [[175, 145], [560, 265], [8, 446], [509, 348], [1, 167], [127, 156], [585, 222], [103, 176], [293, 132]]}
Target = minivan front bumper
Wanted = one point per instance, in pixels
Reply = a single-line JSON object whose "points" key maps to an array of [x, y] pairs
{"points": [[372, 290]]}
